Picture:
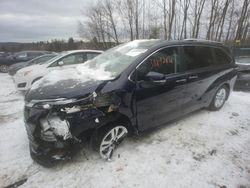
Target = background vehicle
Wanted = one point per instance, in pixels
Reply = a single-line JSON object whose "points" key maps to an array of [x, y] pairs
{"points": [[25, 77], [19, 57], [243, 79], [40, 59], [128, 89]]}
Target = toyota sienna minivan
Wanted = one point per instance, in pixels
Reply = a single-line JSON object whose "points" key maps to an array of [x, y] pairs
{"points": [[128, 89]]}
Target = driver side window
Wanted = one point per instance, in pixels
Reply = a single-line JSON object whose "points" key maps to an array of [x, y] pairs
{"points": [[163, 62]]}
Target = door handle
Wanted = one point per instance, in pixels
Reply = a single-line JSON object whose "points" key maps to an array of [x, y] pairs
{"points": [[159, 81], [181, 80], [193, 77]]}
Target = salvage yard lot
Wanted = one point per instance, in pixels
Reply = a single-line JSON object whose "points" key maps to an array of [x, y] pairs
{"points": [[203, 149]]}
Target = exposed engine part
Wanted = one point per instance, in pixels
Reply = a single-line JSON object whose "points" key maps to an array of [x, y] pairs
{"points": [[54, 126]]}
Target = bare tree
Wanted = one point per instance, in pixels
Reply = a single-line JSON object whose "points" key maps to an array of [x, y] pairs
{"points": [[113, 21], [221, 20], [165, 13], [246, 31], [126, 10], [230, 20], [243, 17], [108, 7], [185, 7], [172, 4], [136, 19], [199, 7], [213, 17]]}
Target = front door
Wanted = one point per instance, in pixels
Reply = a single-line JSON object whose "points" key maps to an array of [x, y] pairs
{"points": [[160, 90]]}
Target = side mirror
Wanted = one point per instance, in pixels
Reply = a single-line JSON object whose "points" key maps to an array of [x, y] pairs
{"points": [[155, 76], [60, 63]]}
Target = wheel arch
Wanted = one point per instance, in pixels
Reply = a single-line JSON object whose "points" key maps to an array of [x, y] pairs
{"points": [[36, 79], [111, 119]]}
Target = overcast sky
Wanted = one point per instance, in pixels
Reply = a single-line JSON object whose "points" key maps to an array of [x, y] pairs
{"points": [[40, 20]]}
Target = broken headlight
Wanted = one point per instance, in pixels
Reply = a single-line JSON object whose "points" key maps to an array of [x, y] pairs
{"points": [[54, 126]]}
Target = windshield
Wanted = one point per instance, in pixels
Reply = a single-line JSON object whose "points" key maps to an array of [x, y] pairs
{"points": [[41, 59], [58, 56], [117, 59], [243, 60]]}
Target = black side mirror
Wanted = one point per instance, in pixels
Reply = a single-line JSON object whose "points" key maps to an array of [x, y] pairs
{"points": [[154, 76]]}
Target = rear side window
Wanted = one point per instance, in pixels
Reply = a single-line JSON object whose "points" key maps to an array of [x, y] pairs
{"points": [[91, 55], [73, 59], [221, 57], [195, 57]]}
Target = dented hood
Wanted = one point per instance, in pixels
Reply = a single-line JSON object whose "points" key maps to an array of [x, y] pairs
{"points": [[64, 84]]}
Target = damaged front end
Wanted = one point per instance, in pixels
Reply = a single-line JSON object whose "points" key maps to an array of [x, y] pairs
{"points": [[55, 126]]}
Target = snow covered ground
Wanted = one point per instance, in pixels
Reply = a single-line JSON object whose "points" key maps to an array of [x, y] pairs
{"points": [[203, 149]]}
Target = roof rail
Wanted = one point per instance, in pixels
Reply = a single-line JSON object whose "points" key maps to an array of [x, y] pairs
{"points": [[201, 40]]}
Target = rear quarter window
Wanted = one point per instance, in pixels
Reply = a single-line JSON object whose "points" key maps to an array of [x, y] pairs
{"points": [[195, 57], [221, 57]]}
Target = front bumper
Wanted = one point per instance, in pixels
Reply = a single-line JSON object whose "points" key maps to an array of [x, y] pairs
{"points": [[54, 134], [48, 156], [42, 151], [21, 84]]}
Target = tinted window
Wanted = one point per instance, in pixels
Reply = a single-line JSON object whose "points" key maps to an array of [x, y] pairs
{"points": [[195, 57], [162, 62], [221, 57]]}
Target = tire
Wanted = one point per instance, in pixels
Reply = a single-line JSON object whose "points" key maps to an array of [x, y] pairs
{"points": [[4, 68], [105, 140], [219, 98]]}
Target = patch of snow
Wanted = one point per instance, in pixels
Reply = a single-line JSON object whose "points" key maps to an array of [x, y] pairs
{"points": [[80, 74], [203, 149]]}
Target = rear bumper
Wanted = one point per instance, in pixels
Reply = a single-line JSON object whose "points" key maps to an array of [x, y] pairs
{"points": [[242, 84]]}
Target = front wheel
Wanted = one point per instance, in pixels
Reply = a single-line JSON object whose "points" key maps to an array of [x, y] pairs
{"points": [[4, 68], [108, 139], [219, 98]]}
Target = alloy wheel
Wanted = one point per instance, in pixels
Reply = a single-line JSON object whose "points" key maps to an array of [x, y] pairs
{"points": [[111, 140], [4, 68], [220, 98]]}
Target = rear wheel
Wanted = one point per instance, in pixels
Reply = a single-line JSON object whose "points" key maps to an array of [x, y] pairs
{"points": [[4, 68], [219, 98], [108, 138]]}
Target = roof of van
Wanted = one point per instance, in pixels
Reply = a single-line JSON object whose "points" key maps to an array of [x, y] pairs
{"points": [[191, 41], [158, 42]]}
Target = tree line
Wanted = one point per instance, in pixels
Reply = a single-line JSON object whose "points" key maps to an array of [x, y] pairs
{"points": [[115, 21], [54, 45]]}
